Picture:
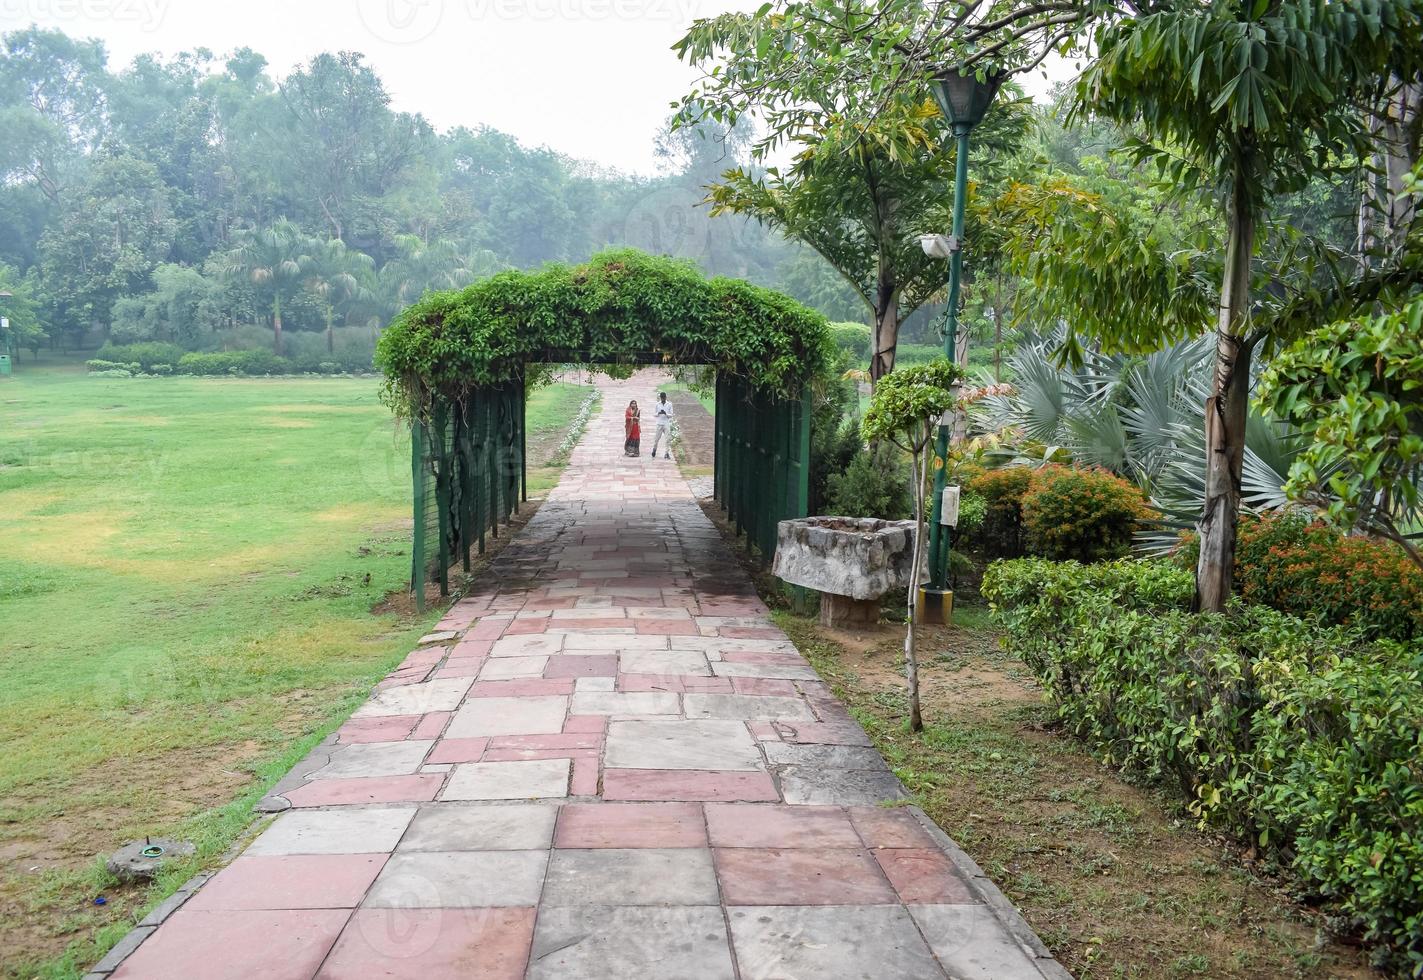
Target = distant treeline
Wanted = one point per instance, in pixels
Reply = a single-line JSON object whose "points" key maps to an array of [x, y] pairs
{"points": [[199, 201]]}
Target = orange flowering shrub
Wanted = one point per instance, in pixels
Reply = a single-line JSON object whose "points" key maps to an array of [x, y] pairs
{"points": [[1081, 514], [1313, 570]]}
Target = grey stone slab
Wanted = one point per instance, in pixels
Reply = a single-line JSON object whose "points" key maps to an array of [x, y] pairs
{"points": [[120, 950], [839, 787], [972, 944], [600, 942], [492, 827], [747, 707], [512, 668], [374, 759], [847, 942], [625, 703], [721, 644], [663, 662], [631, 876], [678, 744], [459, 879], [610, 642], [790, 672], [519, 780], [370, 830], [443, 694], [541, 715], [526, 645], [824, 756]]}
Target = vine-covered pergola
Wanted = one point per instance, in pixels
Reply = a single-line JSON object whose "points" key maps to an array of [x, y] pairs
{"points": [[456, 365]]}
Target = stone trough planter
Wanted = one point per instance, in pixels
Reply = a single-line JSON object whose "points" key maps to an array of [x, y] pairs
{"points": [[850, 561]]}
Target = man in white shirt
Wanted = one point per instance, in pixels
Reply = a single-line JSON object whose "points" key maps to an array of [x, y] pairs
{"points": [[662, 411]]}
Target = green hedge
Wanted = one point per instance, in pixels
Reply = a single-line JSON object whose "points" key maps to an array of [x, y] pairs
{"points": [[145, 355], [1303, 739]]}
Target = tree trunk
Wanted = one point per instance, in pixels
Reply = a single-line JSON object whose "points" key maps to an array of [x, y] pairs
{"points": [[1226, 414], [886, 333], [918, 475], [330, 335], [277, 325]]}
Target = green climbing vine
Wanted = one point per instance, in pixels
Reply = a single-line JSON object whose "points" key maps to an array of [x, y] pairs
{"points": [[622, 304]]}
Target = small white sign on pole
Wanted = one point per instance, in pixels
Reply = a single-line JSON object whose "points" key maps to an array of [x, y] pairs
{"points": [[949, 508]]}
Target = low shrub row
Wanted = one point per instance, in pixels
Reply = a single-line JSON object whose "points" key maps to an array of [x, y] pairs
{"points": [[1303, 739], [126, 361], [1304, 567]]}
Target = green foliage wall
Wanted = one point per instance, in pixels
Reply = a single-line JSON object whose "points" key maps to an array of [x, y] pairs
{"points": [[620, 304]]}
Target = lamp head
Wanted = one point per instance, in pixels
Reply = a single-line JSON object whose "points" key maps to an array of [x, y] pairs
{"points": [[939, 246], [962, 98]]}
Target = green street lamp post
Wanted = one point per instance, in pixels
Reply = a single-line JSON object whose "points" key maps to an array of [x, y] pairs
{"points": [[964, 99]]}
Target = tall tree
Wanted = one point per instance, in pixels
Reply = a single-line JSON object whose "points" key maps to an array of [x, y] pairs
{"points": [[336, 276], [275, 261], [1246, 100], [872, 171]]}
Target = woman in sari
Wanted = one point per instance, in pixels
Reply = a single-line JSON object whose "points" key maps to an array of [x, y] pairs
{"points": [[632, 431]]}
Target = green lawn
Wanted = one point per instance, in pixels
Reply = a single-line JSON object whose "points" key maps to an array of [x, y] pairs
{"points": [[188, 569]]}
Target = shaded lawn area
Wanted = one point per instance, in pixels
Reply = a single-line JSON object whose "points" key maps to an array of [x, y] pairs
{"points": [[1113, 877], [188, 569]]}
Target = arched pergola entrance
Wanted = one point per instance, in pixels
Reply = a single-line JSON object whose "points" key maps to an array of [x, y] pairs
{"points": [[455, 365]]}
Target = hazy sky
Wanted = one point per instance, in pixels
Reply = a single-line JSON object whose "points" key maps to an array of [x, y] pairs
{"points": [[591, 78]]}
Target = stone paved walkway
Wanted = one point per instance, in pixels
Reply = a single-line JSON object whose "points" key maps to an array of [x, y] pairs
{"points": [[607, 763]]}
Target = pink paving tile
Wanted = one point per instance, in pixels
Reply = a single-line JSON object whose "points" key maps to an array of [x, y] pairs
{"points": [[367, 789], [764, 731], [456, 750], [433, 944], [467, 667], [523, 627], [554, 602], [666, 627], [523, 755], [764, 686], [599, 623], [752, 632], [630, 825], [431, 725], [924, 876], [424, 657], [390, 728], [585, 723], [760, 825], [595, 665], [285, 945], [782, 876], [575, 740], [290, 881], [819, 733], [471, 647], [687, 784], [402, 679], [880, 827], [526, 687], [584, 781], [487, 629]]}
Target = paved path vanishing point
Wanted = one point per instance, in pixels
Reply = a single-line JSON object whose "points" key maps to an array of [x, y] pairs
{"points": [[609, 763]]}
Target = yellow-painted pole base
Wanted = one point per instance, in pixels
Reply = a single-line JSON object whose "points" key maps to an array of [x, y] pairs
{"points": [[936, 606]]}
